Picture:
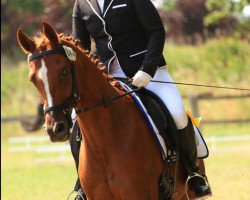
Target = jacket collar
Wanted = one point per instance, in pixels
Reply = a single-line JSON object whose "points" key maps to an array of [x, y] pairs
{"points": [[107, 5], [95, 6]]}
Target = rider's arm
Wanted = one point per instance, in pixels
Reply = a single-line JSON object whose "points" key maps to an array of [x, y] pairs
{"points": [[151, 22], [79, 30]]}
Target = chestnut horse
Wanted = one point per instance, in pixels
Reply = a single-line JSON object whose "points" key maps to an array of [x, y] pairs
{"points": [[119, 156]]}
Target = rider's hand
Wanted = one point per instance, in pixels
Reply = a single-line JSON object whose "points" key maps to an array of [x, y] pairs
{"points": [[141, 79]]}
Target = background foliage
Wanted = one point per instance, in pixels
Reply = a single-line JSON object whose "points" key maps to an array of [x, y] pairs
{"points": [[28, 14], [186, 21], [195, 21], [207, 43]]}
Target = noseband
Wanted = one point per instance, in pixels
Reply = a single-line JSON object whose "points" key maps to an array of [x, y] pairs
{"points": [[68, 104]]}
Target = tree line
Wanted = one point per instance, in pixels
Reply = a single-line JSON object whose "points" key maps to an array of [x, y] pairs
{"points": [[186, 21], [28, 14]]}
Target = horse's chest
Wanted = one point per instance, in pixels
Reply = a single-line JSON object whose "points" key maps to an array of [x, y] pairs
{"points": [[97, 183]]}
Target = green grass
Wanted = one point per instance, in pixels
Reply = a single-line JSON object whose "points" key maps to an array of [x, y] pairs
{"points": [[18, 95], [45, 182], [222, 62], [229, 175], [210, 130], [24, 179]]}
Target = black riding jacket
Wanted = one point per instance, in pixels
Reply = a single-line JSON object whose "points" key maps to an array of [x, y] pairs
{"points": [[130, 30]]}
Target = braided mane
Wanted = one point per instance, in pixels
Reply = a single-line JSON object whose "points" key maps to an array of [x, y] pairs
{"points": [[95, 60]]}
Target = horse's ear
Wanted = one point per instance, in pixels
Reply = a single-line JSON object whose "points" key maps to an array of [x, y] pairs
{"points": [[50, 33], [26, 43]]}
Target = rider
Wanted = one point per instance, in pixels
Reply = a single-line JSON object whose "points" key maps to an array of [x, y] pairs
{"points": [[129, 37]]}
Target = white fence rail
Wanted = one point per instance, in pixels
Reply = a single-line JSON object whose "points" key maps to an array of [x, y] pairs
{"points": [[227, 138], [214, 147], [41, 145]]}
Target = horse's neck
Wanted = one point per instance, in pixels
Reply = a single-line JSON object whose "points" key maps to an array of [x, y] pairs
{"points": [[93, 87], [97, 124]]}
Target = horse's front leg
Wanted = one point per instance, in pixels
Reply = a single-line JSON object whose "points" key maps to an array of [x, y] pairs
{"points": [[93, 178]]}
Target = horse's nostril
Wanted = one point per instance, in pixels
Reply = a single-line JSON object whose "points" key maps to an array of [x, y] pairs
{"points": [[60, 127]]}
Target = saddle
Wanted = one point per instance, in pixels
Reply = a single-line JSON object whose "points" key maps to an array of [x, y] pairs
{"points": [[155, 110], [162, 124], [161, 118]]}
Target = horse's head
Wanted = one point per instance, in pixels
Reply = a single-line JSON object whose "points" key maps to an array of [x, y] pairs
{"points": [[51, 71]]}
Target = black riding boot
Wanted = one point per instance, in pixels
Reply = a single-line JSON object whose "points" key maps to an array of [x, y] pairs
{"points": [[196, 182], [75, 143]]}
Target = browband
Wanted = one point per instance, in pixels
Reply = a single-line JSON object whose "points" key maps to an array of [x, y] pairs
{"points": [[46, 52]]}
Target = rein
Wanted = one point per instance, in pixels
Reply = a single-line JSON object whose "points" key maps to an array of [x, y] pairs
{"points": [[67, 106], [201, 85], [104, 102]]}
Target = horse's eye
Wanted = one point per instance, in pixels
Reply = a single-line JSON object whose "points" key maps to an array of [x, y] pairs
{"points": [[65, 72]]}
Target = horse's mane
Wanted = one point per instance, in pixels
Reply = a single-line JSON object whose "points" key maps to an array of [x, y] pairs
{"points": [[42, 42]]}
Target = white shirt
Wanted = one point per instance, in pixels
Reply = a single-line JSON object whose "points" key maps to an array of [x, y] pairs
{"points": [[101, 4], [115, 69]]}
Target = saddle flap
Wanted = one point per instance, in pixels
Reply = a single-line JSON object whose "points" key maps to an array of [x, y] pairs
{"points": [[162, 124]]}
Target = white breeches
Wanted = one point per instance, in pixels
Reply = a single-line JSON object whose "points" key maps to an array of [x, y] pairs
{"points": [[170, 95], [167, 92]]}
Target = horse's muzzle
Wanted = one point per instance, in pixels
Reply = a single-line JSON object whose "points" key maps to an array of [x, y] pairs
{"points": [[60, 128], [58, 131]]}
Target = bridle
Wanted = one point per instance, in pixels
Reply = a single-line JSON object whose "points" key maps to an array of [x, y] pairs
{"points": [[67, 106], [69, 103]]}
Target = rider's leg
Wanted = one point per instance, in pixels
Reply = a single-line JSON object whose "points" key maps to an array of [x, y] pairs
{"points": [[171, 97], [197, 181], [75, 143]]}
